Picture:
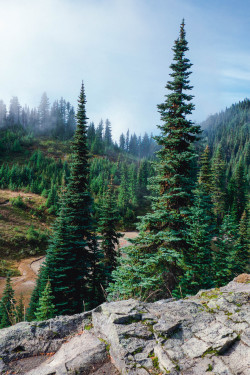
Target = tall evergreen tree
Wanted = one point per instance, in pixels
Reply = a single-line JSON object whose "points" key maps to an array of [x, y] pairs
{"points": [[107, 133], [218, 184], [197, 262], [224, 255], [151, 265], [44, 112], [205, 176], [239, 191], [107, 228], [7, 306], [122, 142], [71, 257], [240, 260]]}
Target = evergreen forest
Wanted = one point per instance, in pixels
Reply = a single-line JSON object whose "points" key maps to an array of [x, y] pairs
{"points": [[185, 191]]}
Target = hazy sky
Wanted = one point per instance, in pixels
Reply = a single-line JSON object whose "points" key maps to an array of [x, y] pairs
{"points": [[122, 51]]}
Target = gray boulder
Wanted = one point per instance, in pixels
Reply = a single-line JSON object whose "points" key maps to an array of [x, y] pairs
{"points": [[204, 334]]}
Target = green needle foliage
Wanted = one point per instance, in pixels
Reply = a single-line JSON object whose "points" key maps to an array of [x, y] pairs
{"points": [[150, 267], [205, 175], [226, 250], [71, 257], [20, 310], [107, 228], [198, 260], [7, 305], [241, 251], [46, 309], [218, 184]]}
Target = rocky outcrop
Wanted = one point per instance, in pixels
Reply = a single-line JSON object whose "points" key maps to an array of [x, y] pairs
{"points": [[205, 334]]}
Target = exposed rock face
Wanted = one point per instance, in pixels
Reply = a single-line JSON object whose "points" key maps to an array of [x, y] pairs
{"points": [[205, 334]]}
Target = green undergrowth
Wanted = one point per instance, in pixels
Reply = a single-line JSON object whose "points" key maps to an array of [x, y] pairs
{"points": [[24, 225], [7, 267]]}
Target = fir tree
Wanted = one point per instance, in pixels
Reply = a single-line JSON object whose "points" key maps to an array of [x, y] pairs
{"points": [[224, 255], [71, 256], [107, 228], [218, 184], [150, 267], [198, 260], [205, 176], [107, 133], [46, 309], [7, 312], [240, 256], [239, 190], [37, 291]]}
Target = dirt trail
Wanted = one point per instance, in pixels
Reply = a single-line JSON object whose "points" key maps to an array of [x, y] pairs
{"points": [[29, 268], [23, 284]]}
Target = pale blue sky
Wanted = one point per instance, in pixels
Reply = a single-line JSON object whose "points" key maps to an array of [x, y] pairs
{"points": [[122, 51]]}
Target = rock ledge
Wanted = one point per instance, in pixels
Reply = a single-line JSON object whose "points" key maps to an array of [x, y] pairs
{"points": [[205, 334]]}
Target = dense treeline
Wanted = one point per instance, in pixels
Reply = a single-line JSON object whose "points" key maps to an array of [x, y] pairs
{"points": [[46, 176], [19, 125], [57, 120], [231, 130], [228, 137]]}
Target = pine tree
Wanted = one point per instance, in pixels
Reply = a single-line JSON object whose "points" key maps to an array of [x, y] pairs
{"points": [[37, 291], [7, 312], [205, 176], [151, 265], [198, 260], [224, 255], [44, 112], [240, 259], [107, 228], [142, 181], [218, 184], [122, 142], [107, 133], [46, 309], [239, 198], [71, 256]]}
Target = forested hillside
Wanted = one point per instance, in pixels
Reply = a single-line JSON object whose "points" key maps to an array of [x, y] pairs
{"points": [[228, 136], [189, 188]]}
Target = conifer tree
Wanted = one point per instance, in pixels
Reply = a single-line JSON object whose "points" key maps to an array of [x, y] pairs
{"points": [[240, 259], [205, 176], [107, 228], [46, 309], [239, 198], [151, 265], [224, 255], [7, 312], [218, 184], [71, 256], [107, 133], [198, 261], [34, 299]]}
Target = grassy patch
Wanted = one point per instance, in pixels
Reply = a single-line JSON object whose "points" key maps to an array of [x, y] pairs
{"points": [[23, 233], [8, 267]]}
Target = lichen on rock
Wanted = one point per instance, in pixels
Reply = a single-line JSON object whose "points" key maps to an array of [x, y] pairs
{"points": [[204, 334]]}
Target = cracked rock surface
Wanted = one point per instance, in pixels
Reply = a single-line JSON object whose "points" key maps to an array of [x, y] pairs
{"points": [[204, 334]]}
